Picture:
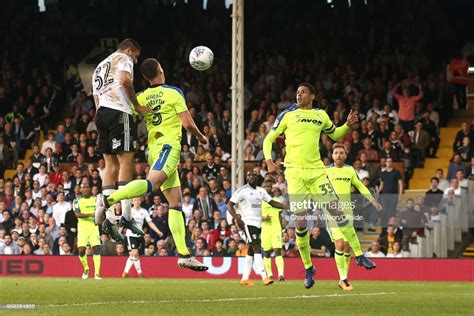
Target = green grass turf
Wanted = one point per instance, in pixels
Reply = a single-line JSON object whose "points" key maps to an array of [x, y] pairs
{"points": [[213, 297]]}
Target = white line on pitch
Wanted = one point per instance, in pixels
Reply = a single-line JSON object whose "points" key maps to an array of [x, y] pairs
{"points": [[230, 299]]}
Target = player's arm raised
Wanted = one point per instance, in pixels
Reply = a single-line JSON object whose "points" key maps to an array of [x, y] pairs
{"points": [[127, 83], [337, 133], [189, 125], [365, 191], [278, 128]]}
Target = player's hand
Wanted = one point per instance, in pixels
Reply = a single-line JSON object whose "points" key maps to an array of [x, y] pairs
{"points": [[239, 222], [267, 218], [352, 118], [272, 167], [142, 109], [377, 206], [202, 139]]}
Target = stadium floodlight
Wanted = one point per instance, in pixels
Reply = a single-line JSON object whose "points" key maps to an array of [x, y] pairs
{"points": [[41, 6]]}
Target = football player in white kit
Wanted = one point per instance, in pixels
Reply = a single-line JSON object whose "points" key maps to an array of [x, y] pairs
{"points": [[248, 199], [135, 242], [114, 96]]}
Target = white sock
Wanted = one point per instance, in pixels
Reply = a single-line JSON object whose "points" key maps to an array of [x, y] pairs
{"points": [[126, 207], [259, 265], [137, 265], [108, 192], [128, 265], [248, 267], [110, 215]]}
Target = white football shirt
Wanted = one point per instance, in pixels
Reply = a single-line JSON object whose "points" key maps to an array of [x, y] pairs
{"points": [[140, 216], [106, 82], [249, 202]]}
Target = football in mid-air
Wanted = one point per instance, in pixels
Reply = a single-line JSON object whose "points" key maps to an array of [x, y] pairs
{"points": [[201, 58]]}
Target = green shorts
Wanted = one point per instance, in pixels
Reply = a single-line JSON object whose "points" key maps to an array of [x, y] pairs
{"points": [[336, 234], [165, 157], [308, 184], [271, 238], [88, 236]]}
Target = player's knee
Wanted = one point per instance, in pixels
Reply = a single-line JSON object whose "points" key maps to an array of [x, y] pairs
{"points": [[340, 245], [277, 252], [82, 252], [268, 254]]}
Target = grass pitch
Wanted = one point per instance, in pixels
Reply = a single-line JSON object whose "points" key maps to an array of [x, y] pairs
{"points": [[54, 296]]}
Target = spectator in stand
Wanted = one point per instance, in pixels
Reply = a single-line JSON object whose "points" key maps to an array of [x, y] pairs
{"points": [[455, 166], [387, 240], [465, 151], [389, 152], [204, 204], [412, 220], [457, 75], [470, 170], [430, 127], [49, 143], [396, 251], [406, 105], [464, 132], [319, 243], [9, 247], [434, 195], [374, 251], [371, 153], [443, 182], [420, 142], [60, 208], [390, 191], [462, 181]]}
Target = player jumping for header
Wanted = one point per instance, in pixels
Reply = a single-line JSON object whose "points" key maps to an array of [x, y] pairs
{"points": [[164, 126], [305, 172]]}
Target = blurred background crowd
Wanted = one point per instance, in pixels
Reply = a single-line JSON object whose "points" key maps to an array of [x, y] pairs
{"points": [[391, 68]]}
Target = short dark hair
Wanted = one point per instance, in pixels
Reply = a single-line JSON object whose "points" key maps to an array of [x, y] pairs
{"points": [[311, 88], [149, 68], [434, 178], [129, 43], [338, 145]]}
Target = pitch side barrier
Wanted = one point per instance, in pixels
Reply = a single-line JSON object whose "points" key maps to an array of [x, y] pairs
{"points": [[232, 268]]}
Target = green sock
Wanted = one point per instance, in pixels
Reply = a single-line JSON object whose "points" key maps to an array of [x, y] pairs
{"points": [[302, 241], [132, 189], [268, 265], [83, 260], [176, 224], [97, 260], [340, 264], [347, 257], [349, 232], [280, 265]]}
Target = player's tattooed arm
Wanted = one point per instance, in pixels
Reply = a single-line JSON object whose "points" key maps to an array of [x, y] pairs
{"points": [[127, 84]]}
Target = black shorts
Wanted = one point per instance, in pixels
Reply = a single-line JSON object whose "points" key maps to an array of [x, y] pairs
{"points": [[136, 243], [115, 129], [252, 234]]}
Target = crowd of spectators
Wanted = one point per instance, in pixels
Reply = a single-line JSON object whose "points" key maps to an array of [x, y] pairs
{"points": [[399, 88]]}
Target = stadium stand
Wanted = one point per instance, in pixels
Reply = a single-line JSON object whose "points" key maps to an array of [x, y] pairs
{"points": [[48, 136]]}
